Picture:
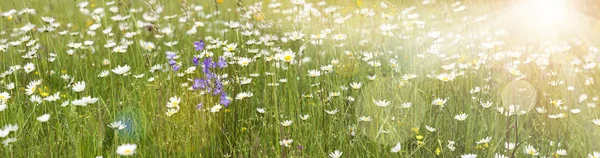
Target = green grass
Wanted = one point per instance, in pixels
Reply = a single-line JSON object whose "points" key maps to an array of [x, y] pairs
{"points": [[238, 130]]}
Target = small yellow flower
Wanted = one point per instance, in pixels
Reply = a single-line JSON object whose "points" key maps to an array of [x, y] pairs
{"points": [[219, 1], [416, 130], [438, 151], [227, 110], [419, 137], [89, 23], [9, 17], [258, 17], [359, 3], [420, 143], [36, 72], [243, 129]]}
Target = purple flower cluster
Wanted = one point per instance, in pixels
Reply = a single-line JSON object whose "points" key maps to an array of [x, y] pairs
{"points": [[211, 83], [199, 45], [172, 62]]}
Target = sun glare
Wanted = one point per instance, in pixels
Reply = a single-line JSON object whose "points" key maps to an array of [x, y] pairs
{"points": [[550, 11]]}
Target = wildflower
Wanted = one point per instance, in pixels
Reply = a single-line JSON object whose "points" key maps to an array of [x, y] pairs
{"points": [[173, 102], [53, 97], [286, 142], [230, 47], [439, 102], [286, 123], [121, 70], [149, 46], [514, 71], [335, 154], [224, 99], [355, 85], [36, 99], [103, 73], [468, 156], [408, 76], [372, 78], [3, 106], [7, 141], [79, 86], [44, 118], [243, 95], [364, 118], [29, 67], [382, 103], [216, 108], [4, 96], [117, 125], [260, 110], [332, 112], [596, 121], [561, 152], [509, 146], [445, 77], [304, 117], [461, 117], [429, 128], [484, 140], [7, 129], [406, 105], [486, 104], [64, 104], [497, 155], [530, 150], [314, 73], [243, 62], [288, 56], [172, 111], [396, 148], [450, 145], [126, 149], [594, 155], [557, 116]]}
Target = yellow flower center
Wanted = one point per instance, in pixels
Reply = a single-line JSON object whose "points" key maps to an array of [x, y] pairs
{"points": [[287, 58], [127, 151]]}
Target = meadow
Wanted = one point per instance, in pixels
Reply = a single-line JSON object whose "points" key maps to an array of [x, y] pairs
{"points": [[298, 78]]}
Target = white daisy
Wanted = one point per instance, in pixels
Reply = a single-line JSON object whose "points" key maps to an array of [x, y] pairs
{"points": [[126, 149], [120, 70]]}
